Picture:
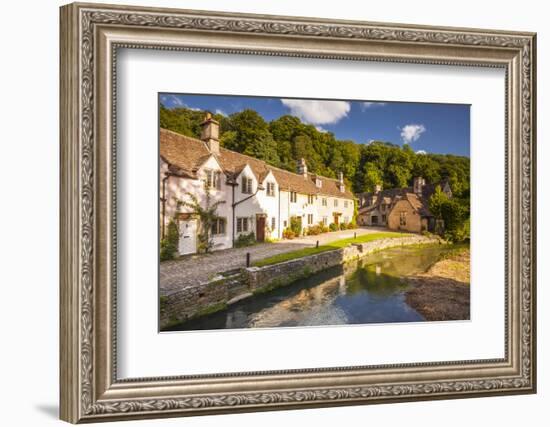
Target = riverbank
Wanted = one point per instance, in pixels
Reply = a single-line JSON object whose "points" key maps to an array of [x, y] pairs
{"points": [[223, 290], [443, 292]]}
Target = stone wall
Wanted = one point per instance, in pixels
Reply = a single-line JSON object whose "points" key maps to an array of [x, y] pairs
{"points": [[203, 298], [263, 279], [215, 295]]}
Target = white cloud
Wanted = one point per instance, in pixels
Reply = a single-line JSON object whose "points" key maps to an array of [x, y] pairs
{"points": [[318, 112], [220, 111], [411, 133], [367, 104], [421, 152], [177, 101], [321, 129]]}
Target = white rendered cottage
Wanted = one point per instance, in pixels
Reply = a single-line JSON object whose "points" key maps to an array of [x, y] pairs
{"points": [[257, 197]]}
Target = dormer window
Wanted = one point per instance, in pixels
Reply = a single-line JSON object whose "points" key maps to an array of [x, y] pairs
{"points": [[270, 189], [318, 183], [246, 187], [213, 179]]}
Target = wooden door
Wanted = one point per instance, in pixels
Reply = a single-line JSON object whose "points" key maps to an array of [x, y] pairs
{"points": [[260, 228]]}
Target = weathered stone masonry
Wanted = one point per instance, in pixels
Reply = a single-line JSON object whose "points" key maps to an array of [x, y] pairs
{"points": [[225, 289]]}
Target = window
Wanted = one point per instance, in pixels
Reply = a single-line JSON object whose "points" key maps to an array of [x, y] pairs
{"points": [[325, 220], [346, 219], [402, 218], [270, 190], [213, 179], [273, 224], [246, 185], [383, 218], [309, 219], [285, 223], [218, 227], [293, 197], [345, 203], [324, 201], [242, 225], [335, 203], [310, 199]]}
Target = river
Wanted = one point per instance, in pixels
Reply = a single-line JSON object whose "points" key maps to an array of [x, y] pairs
{"points": [[370, 290]]}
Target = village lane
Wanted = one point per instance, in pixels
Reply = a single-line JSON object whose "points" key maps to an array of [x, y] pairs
{"points": [[192, 269]]}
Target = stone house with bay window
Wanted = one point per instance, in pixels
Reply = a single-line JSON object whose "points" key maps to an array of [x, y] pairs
{"points": [[255, 197]]}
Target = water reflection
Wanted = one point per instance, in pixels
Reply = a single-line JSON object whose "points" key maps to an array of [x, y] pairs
{"points": [[365, 291]]}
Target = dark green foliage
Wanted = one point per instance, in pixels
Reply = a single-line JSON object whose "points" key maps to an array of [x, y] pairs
{"points": [[245, 240], [333, 227], [296, 225], [282, 142], [454, 212], [169, 245]]}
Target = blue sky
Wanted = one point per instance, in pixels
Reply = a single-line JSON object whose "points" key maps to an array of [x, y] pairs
{"points": [[433, 128]]}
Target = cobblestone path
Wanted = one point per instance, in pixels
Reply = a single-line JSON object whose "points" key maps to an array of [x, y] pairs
{"points": [[193, 269]]}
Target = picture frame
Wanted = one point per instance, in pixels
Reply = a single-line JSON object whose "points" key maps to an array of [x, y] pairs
{"points": [[91, 35]]}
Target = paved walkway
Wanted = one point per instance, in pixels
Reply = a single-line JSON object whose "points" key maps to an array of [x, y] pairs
{"points": [[193, 269]]}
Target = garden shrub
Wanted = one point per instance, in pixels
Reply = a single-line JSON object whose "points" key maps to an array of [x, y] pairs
{"points": [[288, 234], [296, 225], [313, 230], [333, 227], [245, 240], [169, 244]]}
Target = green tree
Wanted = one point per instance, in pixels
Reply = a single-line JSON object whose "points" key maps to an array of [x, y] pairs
{"points": [[248, 133], [436, 202], [207, 215], [372, 176]]}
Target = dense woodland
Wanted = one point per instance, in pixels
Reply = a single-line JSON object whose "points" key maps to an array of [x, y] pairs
{"points": [[283, 141]]}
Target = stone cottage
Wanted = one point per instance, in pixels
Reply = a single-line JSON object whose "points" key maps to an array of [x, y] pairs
{"points": [[400, 208]]}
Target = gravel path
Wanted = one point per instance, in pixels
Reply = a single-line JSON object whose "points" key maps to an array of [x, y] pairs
{"points": [[193, 269]]}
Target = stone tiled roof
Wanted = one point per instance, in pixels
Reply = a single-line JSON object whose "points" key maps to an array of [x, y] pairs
{"points": [[420, 205], [391, 196], [187, 154]]}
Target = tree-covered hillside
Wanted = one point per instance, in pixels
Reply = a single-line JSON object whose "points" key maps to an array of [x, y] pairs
{"points": [[283, 141]]}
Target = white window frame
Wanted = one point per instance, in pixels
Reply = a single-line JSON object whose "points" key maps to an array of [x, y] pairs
{"points": [[246, 184], [242, 224], [220, 220], [270, 189], [293, 197]]}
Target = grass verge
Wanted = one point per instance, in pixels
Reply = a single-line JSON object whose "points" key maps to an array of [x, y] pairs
{"points": [[337, 244]]}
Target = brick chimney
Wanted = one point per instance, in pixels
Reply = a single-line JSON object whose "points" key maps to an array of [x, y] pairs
{"points": [[210, 134], [302, 167], [418, 185]]}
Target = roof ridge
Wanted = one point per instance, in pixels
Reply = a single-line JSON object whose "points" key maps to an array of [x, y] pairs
{"points": [[246, 155]]}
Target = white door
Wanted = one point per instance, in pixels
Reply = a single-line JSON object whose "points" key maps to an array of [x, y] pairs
{"points": [[188, 237]]}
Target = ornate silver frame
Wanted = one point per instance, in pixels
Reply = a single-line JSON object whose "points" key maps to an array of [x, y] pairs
{"points": [[90, 36]]}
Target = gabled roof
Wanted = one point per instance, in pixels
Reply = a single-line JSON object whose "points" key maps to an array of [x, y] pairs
{"points": [[418, 204], [187, 154]]}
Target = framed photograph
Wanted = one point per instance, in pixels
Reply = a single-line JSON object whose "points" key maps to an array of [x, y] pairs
{"points": [[267, 212]]}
